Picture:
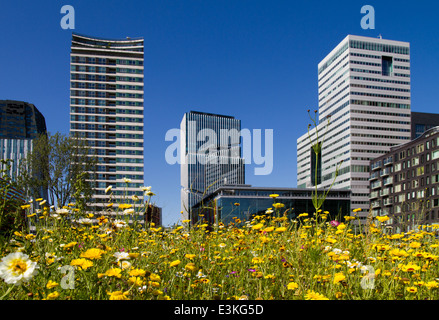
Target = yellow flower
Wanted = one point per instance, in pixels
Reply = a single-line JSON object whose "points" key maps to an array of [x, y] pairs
{"points": [[280, 229], [292, 286], [118, 295], [258, 226], [338, 277], [412, 289], [397, 236], [69, 245], [341, 226], [157, 292], [357, 210], [278, 205], [137, 272], [431, 284], [51, 284], [409, 267], [190, 256], [414, 244], [190, 267], [382, 218], [83, 263], [257, 260], [174, 263], [274, 195], [26, 206], [154, 277], [311, 295], [92, 253], [268, 229], [52, 295], [113, 272], [398, 253], [302, 215], [135, 281]]}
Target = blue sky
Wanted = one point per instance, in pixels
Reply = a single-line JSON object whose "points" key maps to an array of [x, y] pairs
{"points": [[255, 60]]}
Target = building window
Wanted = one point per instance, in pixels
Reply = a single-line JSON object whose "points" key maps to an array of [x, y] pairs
{"points": [[387, 65]]}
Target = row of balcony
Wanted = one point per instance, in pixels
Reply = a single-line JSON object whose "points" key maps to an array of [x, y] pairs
{"points": [[378, 203], [379, 193], [385, 162]]}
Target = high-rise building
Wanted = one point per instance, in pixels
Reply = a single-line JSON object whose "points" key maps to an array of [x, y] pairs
{"points": [[210, 156], [20, 123], [364, 87], [106, 109]]}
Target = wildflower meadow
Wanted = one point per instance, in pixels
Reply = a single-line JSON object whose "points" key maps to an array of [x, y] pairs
{"points": [[78, 256]]}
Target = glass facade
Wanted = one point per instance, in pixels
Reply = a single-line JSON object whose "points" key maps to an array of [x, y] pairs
{"points": [[212, 156], [228, 203], [20, 120]]}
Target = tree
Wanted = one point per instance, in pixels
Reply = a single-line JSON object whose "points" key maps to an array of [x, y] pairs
{"points": [[60, 166]]}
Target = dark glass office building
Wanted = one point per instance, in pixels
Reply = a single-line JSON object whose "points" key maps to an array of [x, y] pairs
{"points": [[423, 121], [20, 120], [20, 123], [245, 201]]}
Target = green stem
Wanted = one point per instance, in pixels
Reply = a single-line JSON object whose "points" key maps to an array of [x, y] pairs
{"points": [[7, 292]]}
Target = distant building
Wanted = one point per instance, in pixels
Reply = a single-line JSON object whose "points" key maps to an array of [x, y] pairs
{"points": [[211, 156], [404, 183], [153, 214], [20, 123], [20, 120], [10, 192], [364, 87], [244, 202], [423, 121]]}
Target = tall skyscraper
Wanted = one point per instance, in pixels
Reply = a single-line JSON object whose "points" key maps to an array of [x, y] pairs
{"points": [[20, 123], [106, 109], [210, 156], [364, 86]]}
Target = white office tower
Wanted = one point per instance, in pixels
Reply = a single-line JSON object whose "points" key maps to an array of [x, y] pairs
{"points": [[364, 87], [210, 156], [106, 109]]}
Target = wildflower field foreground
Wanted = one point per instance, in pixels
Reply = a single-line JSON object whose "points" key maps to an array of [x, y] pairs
{"points": [[269, 257]]}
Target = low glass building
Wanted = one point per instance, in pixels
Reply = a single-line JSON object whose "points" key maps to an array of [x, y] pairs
{"points": [[244, 202]]}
